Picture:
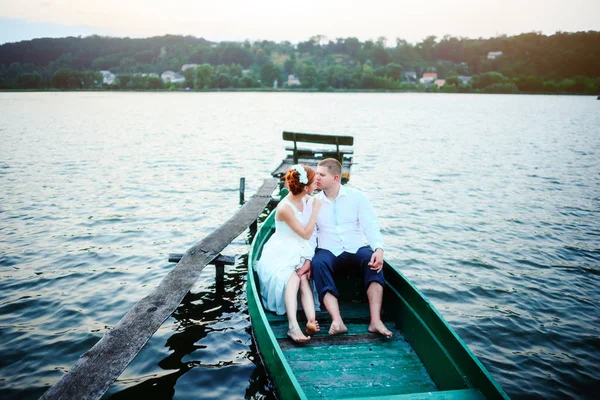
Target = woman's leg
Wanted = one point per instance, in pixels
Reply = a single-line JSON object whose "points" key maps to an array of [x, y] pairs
{"points": [[291, 308], [308, 304]]}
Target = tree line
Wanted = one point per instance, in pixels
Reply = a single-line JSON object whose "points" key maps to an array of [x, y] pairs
{"points": [[530, 63]]}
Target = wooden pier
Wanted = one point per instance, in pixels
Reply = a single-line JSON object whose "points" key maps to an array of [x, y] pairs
{"points": [[99, 367]]}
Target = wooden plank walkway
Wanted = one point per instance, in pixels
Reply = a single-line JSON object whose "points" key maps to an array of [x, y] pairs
{"points": [[97, 369]]}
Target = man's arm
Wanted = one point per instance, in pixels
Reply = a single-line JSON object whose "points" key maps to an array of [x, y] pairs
{"points": [[368, 223]]}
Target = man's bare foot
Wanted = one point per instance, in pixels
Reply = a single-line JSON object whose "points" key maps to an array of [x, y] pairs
{"points": [[380, 328], [337, 328], [297, 336], [312, 327]]}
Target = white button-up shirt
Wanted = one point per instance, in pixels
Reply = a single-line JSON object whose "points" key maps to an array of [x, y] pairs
{"points": [[345, 223]]}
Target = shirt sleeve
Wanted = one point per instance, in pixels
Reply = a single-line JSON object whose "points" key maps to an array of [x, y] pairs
{"points": [[368, 222]]}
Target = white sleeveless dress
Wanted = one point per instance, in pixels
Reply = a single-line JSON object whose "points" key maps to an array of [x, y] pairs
{"points": [[282, 255]]}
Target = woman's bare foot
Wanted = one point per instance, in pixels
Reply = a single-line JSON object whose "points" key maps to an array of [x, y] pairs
{"points": [[380, 328], [312, 327], [296, 335], [337, 328]]}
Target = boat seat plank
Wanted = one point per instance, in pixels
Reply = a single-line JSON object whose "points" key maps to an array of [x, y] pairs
{"points": [[463, 394], [323, 339], [349, 310], [404, 361], [340, 352], [355, 329]]}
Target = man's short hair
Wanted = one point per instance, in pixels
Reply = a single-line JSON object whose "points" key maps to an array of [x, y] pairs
{"points": [[332, 165]]}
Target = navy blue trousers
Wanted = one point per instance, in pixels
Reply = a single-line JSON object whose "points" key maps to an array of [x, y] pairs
{"points": [[325, 267]]}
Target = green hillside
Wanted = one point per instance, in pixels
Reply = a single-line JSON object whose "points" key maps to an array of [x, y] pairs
{"points": [[528, 63]]}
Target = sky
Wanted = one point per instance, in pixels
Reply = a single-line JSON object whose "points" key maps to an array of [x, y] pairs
{"points": [[220, 20]]}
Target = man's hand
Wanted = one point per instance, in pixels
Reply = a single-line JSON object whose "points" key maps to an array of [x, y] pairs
{"points": [[304, 269], [376, 262]]}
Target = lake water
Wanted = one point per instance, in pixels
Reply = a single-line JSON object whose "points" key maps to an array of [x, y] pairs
{"points": [[490, 204]]}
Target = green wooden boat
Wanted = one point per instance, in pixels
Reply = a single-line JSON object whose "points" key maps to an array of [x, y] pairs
{"points": [[425, 359]]}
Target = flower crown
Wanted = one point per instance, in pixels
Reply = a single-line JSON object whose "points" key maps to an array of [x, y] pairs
{"points": [[303, 178]]}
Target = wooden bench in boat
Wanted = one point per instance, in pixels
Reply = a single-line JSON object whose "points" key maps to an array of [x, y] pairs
{"points": [[312, 156]]}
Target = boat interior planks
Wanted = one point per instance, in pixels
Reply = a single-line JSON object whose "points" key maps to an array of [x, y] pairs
{"points": [[356, 362]]}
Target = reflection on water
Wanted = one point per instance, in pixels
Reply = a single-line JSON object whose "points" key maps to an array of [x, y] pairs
{"points": [[211, 341], [489, 204]]}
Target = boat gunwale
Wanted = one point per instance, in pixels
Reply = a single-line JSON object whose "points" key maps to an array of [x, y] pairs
{"points": [[439, 320], [460, 356]]}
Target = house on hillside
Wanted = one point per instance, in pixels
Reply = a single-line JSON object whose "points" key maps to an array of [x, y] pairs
{"points": [[170, 76], [187, 66], [439, 82], [492, 55], [293, 80], [108, 78], [428, 78]]}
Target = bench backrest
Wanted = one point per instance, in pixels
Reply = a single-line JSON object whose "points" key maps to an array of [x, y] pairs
{"points": [[321, 139], [314, 138]]}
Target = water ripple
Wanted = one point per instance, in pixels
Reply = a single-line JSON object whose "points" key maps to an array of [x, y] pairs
{"points": [[489, 205]]}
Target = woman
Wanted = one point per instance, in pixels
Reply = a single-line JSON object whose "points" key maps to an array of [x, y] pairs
{"points": [[284, 266]]}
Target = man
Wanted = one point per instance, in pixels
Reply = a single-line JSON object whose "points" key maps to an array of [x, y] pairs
{"points": [[345, 219]]}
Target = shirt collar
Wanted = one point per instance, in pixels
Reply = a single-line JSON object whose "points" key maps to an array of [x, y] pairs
{"points": [[343, 192]]}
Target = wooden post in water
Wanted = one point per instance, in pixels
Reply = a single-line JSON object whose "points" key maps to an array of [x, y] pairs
{"points": [[219, 262], [242, 189], [97, 369], [220, 276]]}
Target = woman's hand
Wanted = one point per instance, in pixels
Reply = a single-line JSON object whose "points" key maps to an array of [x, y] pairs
{"points": [[304, 269], [317, 204]]}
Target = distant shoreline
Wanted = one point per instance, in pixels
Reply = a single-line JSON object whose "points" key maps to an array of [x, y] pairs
{"points": [[273, 90]]}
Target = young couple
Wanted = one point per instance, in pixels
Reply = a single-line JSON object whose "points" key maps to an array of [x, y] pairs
{"points": [[343, 218]]}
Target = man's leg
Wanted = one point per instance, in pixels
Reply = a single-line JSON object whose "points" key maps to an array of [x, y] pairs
{"points": [[375, 296], [333, 308], [374, 283], [323, 265]]}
